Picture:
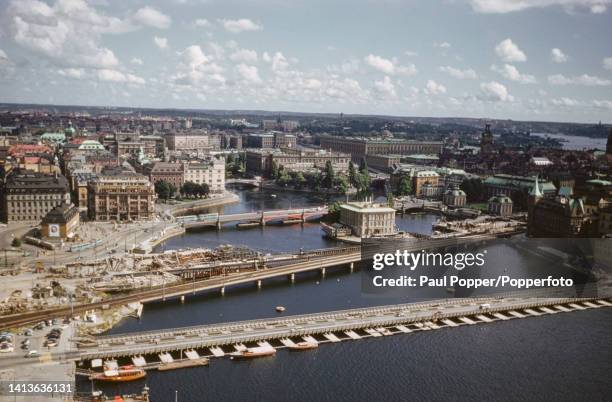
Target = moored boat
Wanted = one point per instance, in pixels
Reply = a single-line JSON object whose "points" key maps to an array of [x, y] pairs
{"points": [[304, 346], [184, 364], [250, 353], [121, 374], [280, 309]]}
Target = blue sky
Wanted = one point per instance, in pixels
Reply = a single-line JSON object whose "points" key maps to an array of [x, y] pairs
{"points": [[518, 59]]}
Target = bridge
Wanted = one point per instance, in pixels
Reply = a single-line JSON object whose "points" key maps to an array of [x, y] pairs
{"points": [[259, 218], [215, 340], [253, 182], [220, 276]]}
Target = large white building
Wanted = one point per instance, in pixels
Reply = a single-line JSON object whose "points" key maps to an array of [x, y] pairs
{"points": [[367, 219], [211, 172]]}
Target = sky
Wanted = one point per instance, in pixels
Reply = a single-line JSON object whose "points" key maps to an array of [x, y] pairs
{"points": [[548, 60]]}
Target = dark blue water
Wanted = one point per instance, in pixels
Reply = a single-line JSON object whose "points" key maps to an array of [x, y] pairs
{"points": [[559, 357], [562, 357], [276, 238]]}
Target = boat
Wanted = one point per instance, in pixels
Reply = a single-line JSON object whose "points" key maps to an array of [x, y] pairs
{"points": [[304, 346], [121, 374], [273, 195], [250, 353], [184, 364], [280, 309]]}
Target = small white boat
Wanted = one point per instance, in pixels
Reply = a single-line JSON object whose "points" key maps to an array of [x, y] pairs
{"points": [[273, 195], [280, 309]]}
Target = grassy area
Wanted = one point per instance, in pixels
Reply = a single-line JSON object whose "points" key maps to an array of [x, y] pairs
{"points": [[478, 205]]}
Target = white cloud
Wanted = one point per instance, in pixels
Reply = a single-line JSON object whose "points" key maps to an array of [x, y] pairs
{"points": [[495, 92], [245, 55], [510, 72], [467, 74], [387, 66], [248, 73], [385, 88], [3, 56], [603, 104], [152, 17], [508, 51], [118, 76], [569, 102], [71, 72], [137, 61], [584, 79], [160, 42], [443, 45], [410, 53], [433, 88], [558, 56], [607, 63], [240, 25], [202, 22], [194, 56], [508, 6], [279, 62], [67, 33]]}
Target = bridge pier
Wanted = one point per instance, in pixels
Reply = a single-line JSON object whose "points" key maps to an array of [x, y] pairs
{"points": [[323, 272], [259, 284], [222, 290], [183, 299], [352, 266], [292, 277], [218, 225]]}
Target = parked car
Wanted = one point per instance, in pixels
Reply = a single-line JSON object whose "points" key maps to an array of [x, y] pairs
{"points": [[32, 353]]}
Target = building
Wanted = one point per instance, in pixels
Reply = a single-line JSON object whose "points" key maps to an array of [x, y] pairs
{"points": [[421, 159], [29, 196], [170, 172], [609, 148], [511, 186], [282, 140], [368, 220], [122, 195], [189, 141], [260, 161], [60, 222], [540, 161], [500, 205], [284, 125], [383, 162], [423, 177], [455, 197], [211, 173], [558, 216], [359, 147]]}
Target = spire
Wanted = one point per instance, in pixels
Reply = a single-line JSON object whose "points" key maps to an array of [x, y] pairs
{"points": [[535, 190]]}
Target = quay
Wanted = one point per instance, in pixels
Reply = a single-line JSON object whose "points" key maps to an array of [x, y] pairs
{"points": [[217, 340]]}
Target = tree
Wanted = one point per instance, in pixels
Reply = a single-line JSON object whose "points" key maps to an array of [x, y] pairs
{"points": [[163, 190], [329, 175], [405, 186], [202, 190], [352, 174], [16, 242], [275, 170], [172, 188], [390, 199], [189, 188], [363, 166], [333, 213], [342, 184], [473, 189]]}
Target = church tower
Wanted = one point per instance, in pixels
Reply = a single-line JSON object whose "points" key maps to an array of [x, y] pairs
{"points": [[486, 141], [535, 195]]}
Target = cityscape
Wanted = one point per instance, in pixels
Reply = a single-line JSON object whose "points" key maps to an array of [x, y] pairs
{"points": [[188, 214]]}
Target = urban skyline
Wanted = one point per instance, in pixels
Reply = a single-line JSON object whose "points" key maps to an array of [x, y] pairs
{"points": [[522, 60]]}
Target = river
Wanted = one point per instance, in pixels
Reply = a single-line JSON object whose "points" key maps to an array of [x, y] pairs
{"points": [[558, 357], [575, 142]]}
